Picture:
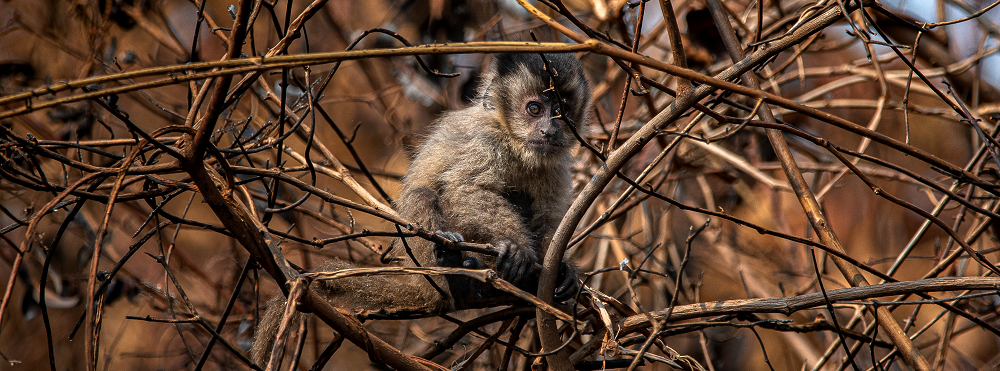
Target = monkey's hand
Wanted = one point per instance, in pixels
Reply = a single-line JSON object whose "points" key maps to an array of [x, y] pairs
{"points": [[570, 282], [515, 262], [446, 257], [453, 236]]}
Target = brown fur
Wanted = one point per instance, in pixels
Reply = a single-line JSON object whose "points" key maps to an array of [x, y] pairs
{"points": [[496, 172]]}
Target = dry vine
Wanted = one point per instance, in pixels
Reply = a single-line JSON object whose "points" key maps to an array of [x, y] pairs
{"points": [[740, 148]]}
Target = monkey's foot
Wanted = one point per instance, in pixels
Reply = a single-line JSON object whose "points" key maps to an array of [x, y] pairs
{"points": [[471, 263], [570, 283]]}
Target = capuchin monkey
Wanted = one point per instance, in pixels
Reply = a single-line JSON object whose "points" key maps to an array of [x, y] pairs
{"points": [[497, 172]]}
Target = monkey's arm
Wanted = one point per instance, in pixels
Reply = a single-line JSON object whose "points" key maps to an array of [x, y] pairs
{"points": [[486, 216], [423, 206]]}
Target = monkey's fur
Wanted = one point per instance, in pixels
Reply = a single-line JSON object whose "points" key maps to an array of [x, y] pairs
{"points": [[497, 172]]}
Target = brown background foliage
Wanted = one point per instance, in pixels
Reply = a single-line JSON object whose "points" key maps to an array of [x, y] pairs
{"points": [[384, 105]]}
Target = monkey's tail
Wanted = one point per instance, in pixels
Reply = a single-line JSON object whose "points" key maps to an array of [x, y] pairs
{"points": [[267, 331]]}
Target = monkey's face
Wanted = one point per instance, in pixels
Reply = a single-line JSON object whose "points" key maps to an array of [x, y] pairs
{"points": [[539, 108], [545, 130], [534, 118], [540, 119]]}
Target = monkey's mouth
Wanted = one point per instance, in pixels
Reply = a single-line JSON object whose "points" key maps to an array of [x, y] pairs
{"points": [[545, 146]]}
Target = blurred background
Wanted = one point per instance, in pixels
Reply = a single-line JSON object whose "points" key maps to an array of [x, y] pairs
{"points": [[382, 107]]}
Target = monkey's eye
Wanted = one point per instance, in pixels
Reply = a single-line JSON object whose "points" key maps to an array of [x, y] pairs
{"points": [[534, 108], [557, 111]]}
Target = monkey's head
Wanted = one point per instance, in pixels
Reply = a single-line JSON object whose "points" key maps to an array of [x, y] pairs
{"points": [[535, 106]]}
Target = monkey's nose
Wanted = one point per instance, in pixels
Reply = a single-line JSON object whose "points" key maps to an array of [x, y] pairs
{"points": [[550, 133], [551, 129]]}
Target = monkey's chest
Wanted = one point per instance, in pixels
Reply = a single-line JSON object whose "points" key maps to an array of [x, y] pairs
{"points": [[521, 202]]}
